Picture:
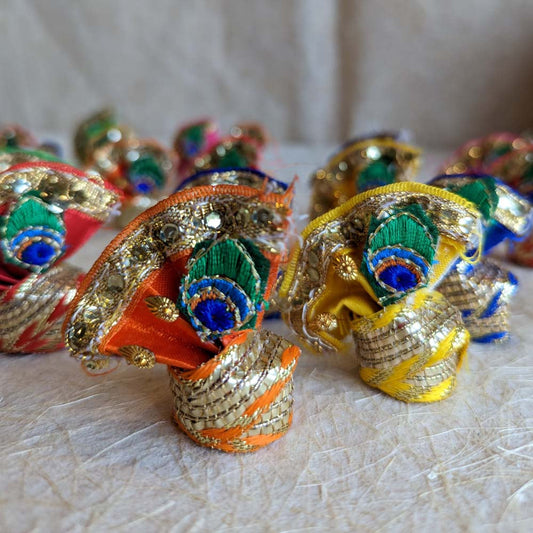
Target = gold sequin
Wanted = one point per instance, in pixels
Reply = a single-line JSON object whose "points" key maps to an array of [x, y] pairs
{"points": [[138, 356], [346, 268], [163, 308], [325, 322]]}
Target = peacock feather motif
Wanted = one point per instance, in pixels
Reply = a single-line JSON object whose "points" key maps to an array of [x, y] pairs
{"points": [[224, 287], [233, 157], [194, 139], [377, 174], [481, 192], [32, 236], [146, 175], [399, 253]]}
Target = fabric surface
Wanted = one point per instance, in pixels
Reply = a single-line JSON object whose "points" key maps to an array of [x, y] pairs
{"points": [[82, 453], [311, 70]]}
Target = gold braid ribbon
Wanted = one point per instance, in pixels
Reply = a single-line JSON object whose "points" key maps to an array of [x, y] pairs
{"points": [[412, 350], [241, 399], [32, 314]]}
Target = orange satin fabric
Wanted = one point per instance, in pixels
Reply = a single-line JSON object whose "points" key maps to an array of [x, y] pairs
{"points": [[173, 343]]}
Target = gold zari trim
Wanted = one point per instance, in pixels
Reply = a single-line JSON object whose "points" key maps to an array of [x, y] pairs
{"points": [[242, 398]]}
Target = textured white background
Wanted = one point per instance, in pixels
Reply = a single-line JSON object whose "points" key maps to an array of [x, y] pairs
{"points": [[311, 70], [92, 454]]}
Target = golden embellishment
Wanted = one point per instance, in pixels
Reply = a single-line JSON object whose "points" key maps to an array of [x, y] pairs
{"points": [[115, 283], [303, 288], [346, 268], [138, 356], [324, 322], [67, 190], [163, 308], [337, 181]]}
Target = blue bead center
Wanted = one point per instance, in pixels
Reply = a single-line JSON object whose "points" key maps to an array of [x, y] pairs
{"points": [[399, 277], [144, 187], [38, 253], [215, 315]]}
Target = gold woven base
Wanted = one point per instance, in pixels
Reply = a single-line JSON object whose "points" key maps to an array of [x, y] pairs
{"points": [[413, 349], [482, 293], [242, 398], [32, 317]]}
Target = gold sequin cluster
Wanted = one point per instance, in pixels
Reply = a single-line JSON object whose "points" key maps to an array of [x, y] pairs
{"points": [[62, 189]]}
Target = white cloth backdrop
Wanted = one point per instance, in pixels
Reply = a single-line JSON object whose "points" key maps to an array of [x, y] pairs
{"points": [[80, 453], [311, 70]]}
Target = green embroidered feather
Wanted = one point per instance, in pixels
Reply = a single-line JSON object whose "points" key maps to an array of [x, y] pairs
{"points": [[32, 236], [32, 212], [145, 175], [481, 192], [377, 174], [399, 253], [234, 260], [224, 287]]}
